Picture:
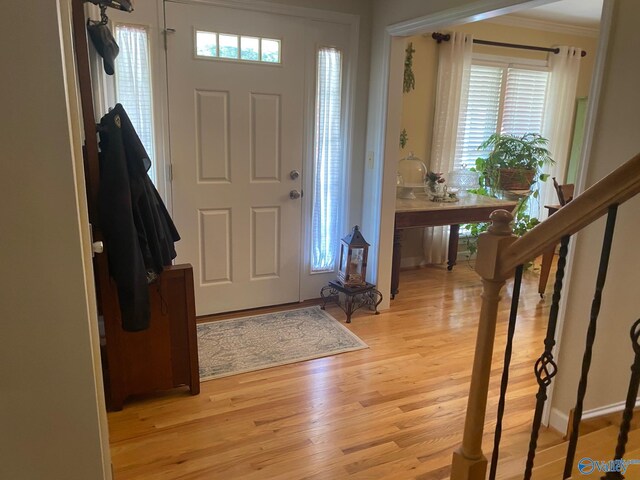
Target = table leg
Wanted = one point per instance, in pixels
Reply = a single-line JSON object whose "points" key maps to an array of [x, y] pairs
{"points": [[376, 298], [348, 307], [329, 294], [547, 260], [324, 298], [397, 259], [454, 238]]}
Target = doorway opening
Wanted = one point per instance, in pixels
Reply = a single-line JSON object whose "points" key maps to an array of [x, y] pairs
{"points": [[385, 131], [508, 91]]}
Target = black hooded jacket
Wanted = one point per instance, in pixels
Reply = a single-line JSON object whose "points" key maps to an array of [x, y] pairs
{"points": [[139, 233]]}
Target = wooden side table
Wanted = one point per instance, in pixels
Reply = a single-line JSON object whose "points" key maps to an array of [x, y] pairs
{"points": [[354, 297]]}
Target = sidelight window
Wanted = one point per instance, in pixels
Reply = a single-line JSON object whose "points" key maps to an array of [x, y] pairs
{"points": [[328, 161], [133, 84]]}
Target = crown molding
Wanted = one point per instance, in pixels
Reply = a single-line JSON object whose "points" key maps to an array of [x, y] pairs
{"points": [[544, 25], [470, 12]]}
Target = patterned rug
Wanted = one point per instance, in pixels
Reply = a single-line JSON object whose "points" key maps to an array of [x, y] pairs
{"points": [[239, 345]]}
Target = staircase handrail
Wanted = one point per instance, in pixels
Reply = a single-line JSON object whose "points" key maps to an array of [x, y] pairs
{"points": [[500, 252]]}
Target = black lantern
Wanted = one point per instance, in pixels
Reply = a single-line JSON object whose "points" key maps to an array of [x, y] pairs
{"points": [[353, 259]]}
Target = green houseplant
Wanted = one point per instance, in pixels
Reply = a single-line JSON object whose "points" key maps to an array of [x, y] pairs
{"points": [[513, 163]]}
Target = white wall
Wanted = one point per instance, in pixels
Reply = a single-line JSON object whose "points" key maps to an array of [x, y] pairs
{"points": [[52, 419], [616, 141]]}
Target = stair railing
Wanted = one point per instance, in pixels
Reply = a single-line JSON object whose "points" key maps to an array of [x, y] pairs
{"points": [[500, 257]]}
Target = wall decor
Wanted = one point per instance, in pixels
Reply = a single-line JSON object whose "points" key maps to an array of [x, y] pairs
{"points": [[409, 82]]}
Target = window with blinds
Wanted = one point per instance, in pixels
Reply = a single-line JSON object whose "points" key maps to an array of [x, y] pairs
{"points": [[502, 98], [133, 84], [481, 115], [524, 99], [328, 161]]}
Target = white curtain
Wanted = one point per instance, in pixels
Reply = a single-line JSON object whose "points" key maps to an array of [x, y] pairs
{"points": [[133, 83], [558, 121], [454, 67], [327, 163]]}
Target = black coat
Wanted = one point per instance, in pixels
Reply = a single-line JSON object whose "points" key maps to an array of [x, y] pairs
{"points": [[139, 233]]}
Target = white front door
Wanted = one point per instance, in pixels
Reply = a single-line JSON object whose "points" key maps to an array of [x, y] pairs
{"points": [[236, 133]]}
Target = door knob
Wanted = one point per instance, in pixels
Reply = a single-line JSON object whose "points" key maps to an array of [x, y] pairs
{"points": [[294, 194], [97, 247], [294, 174]]}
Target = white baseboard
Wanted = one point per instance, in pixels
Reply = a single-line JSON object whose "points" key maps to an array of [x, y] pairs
{"points": [[606, 410], [409, 262], [559, 420], [419, 261]]}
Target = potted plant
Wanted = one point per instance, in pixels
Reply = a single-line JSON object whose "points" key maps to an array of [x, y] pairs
{"points": [[513, 163]]}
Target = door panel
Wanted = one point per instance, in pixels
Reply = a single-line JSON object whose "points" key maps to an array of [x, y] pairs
{"points": [[265, 242], [236, 131], [265, 138], [215, 241], [212, 129]]}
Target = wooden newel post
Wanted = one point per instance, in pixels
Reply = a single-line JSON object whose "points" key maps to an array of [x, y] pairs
{"points": [[469, 463]]}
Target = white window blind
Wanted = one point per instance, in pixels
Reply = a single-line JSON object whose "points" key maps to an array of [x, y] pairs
{"points": [[524, 101], [133, 84], [328, 161], [502, 98], [480, 117]]}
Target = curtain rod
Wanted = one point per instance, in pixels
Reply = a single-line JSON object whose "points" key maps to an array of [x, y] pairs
{"points": [[445, 37], [124, 5]]}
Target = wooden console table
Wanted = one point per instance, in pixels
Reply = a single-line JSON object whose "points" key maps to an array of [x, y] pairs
{"points": [[422, 212]]}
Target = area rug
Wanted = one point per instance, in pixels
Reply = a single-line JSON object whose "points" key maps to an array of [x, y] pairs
{"points": [[239, 345]]}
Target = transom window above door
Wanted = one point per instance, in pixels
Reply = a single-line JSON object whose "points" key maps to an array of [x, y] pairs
{"points": [[229, 46]]}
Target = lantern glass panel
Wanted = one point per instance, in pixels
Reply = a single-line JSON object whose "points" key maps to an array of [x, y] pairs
{"points": [[355, 269], [344, 254]]}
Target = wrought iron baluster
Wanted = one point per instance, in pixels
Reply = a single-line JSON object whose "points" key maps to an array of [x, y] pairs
{"points": [[513, 316], [630, 404], [545, 367], [591, 336]]}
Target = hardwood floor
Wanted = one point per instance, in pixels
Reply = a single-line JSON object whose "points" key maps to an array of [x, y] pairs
{"points": [[393, 411]]}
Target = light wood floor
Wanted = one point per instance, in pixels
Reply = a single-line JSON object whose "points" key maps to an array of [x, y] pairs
{"points": [[393, 411]]}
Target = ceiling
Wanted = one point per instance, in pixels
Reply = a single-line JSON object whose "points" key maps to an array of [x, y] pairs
{"points": [[583, 13]]}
